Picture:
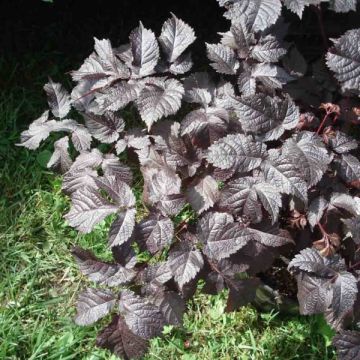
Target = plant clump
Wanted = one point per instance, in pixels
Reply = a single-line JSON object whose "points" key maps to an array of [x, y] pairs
{"points": [[268, 175]]}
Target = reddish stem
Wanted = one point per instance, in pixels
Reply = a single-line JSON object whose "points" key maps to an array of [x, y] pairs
{"points": [[323, 122], [354, 265], [324, 233]]}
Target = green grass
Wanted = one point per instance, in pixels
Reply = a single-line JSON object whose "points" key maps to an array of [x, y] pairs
{"points": [[39, 280]]}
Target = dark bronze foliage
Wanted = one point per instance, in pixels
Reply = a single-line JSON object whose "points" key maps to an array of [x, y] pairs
{"points": [[265, 177]]}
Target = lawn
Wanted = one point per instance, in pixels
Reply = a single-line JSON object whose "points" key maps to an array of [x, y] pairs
{"points": [[39, 279]]}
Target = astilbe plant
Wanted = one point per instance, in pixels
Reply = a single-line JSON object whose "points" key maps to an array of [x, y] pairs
{"points": [[265, 178]]}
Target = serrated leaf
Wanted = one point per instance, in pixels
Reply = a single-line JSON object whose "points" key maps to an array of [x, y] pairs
{"points": [[353, 227], [105, 128], [347, 344], [182, 64], [309, 260], [261, 14], [81, 138], [101, 272], [207, 125], [342, 143], [223, 58], [349, 169], [111, 166], [159, 98], [78, 179], [145, 50], [246, 83], [296, 6], [246, 195], [122, 227], [172, 305], [344, 60], [314, 294], [270, 235], [224, 96], [175, 38], [184, 263], [143, 318], [241, 37], [238, 151], [38, 131], [343, 6], [198, 88], [308, 151], [118, 190], [93, 304], [344, 202], [271, 75], [116, 97], [221, 236], [226, 271], [118, 338], [316, 210], [266, 116], [268, 49], [112, 66], [88, 209], [162, 189], [284, 174], [344, 293], [156, 231], [61, 158], [91, 69], [204, 194], [157, 274], [58, 99], [88, 159], [169, 142]]}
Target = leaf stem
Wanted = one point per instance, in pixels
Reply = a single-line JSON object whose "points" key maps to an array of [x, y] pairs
{"points": [[323, 122], [324, 233], [354, 265]]}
